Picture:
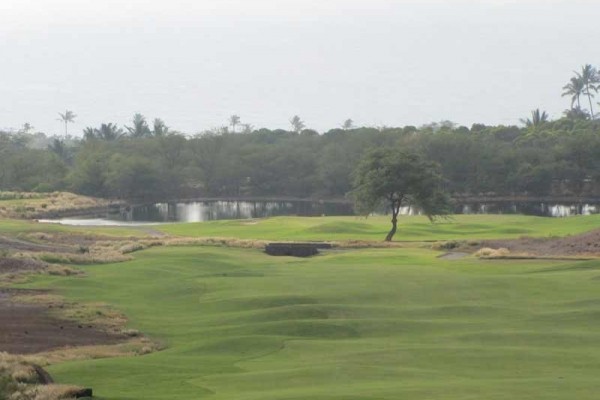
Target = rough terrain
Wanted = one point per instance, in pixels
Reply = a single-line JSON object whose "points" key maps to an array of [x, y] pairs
{"points": [[30, 328], [587, 244]]}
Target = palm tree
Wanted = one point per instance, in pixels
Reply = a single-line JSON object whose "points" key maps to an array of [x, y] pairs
{"points": [[538, 118], [234, 121], [348, 124], [247, 128], [108, 132], [297, 124], [89, 133], [67, 117], [590, 79], [140, 126], [575, 89], [27, 127], [160, 129]]}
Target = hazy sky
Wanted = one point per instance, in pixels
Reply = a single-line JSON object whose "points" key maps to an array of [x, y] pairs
{"points": [[379, 62]]}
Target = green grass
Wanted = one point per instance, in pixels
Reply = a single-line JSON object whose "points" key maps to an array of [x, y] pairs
{"points": [[375, 228], [359, 325]]}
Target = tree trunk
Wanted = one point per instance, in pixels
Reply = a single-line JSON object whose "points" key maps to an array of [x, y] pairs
{"points": [[391, 234], [591, 108], [395, 211]]}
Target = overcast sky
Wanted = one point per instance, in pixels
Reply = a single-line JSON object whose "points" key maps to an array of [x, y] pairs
{"points": [[379, 62]]}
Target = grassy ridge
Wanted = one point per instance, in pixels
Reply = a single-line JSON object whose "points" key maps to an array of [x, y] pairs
{"points": [[14, 227], [375, 228], [28, 205], [368, 324]]}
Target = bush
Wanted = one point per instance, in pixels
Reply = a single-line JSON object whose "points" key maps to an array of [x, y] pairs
{"points": [[487, 252]]}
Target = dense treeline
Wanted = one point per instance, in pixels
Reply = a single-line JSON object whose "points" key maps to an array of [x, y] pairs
{"points": [[559, 158], [142, 162]]}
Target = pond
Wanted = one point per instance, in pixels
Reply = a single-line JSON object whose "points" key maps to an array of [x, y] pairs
{"points": [[529, 208], [200, 211], [216, 210]]}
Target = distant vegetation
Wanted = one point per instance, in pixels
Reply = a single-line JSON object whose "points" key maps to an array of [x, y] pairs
{"points": [[145, 161]]}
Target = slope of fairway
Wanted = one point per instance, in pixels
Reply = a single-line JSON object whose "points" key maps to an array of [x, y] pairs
{"points": [[413, 228], [368, 324]]}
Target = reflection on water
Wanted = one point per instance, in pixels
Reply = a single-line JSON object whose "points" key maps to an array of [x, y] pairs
{"points": [[528, 208], [215, 210]]}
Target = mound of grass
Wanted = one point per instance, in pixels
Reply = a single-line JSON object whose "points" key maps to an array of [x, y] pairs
{"points": [[23, 380], [28, 205], [361, 324]]}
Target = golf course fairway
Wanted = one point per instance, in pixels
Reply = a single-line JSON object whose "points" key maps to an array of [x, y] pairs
{"points": [[368, 324]]}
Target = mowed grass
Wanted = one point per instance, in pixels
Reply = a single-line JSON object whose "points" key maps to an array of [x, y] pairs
{"points": [[361, 325], [410, 228]]}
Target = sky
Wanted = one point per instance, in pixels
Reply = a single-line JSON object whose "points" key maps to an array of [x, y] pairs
{"points": [[379, 62]]}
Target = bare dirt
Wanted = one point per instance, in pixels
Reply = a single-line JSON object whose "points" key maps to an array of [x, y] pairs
{"points": [[18, 265], [26, 245], [587, 244], [30, 328]]}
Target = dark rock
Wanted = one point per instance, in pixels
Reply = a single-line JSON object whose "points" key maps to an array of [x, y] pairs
{"points": [[295, 249], [43, 377], [86, 392]]}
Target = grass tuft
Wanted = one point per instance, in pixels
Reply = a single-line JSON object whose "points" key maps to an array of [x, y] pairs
{"points": [[487, 252]]}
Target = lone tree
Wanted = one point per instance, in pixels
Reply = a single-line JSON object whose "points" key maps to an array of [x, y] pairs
{"points": [[297, 124], [234, 121], [590, 79], [67, 117], [396, 178], [575, 88]]}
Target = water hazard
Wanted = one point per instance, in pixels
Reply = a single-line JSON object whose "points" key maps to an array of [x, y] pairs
{"points": [[220, 210], [216, 210]]}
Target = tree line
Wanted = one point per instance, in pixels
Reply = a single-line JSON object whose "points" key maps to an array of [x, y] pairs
{"points": [[559, 158], [145, 161]]}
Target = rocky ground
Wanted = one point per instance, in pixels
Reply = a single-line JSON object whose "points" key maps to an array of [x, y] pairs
{"points": [[587, 244]]}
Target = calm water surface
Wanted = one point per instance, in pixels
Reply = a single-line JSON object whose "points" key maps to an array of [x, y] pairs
{"points": [[217, 210]]}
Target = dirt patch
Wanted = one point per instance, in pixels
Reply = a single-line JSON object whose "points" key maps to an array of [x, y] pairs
{"points": [[25, 245], [10, 265], [453, 255], [30, 328], [587, 244], [72, 248]]}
